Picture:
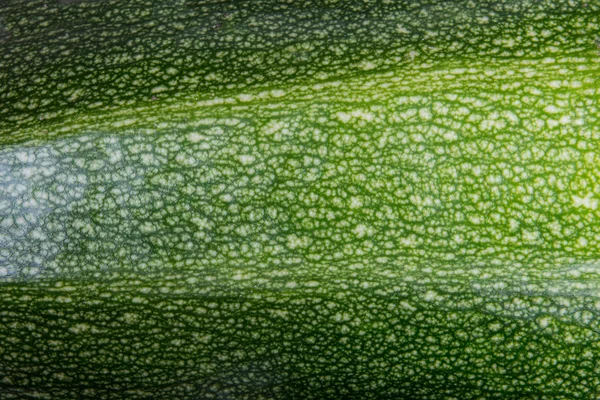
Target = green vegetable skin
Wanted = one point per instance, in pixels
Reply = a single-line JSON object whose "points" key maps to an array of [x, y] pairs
{"points": [[299, 200]]}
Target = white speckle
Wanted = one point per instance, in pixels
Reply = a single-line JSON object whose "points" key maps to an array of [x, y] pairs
{"points": [[62, 299], [147, 227], [3, 271], [367, 116], [555, 84], [78, 328], [530, 236], [588, 201], [212, 77], [408, 306], [582, 242], [544, 322], [124, 122], [342, 116], [95, 165], [242, 230], [450, 136], [227, 198], [194, 137], [275, 127], [401, 29], [425, 114], [245, 97], [22, 157], [511, 116], [138, 300], [576, 84], [552, 109], [247, 159], [355, 202], [368, 65], [280, 313], [37, 234], [565, 119], [475, 219], [294, 241], [159, 89], [277, 93], [202, 223], [184, 159], [147, 159], [360, 230], [433, 296], [28, 172], [115, 156]]}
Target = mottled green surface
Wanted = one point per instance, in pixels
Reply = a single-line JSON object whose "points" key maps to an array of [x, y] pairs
{"points": [[318, 200]]}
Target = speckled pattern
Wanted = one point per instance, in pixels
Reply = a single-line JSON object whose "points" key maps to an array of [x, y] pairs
{"points": [[307, 200]]}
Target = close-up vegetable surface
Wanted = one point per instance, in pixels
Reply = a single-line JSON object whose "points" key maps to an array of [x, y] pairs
{"points": [[322, 199]]}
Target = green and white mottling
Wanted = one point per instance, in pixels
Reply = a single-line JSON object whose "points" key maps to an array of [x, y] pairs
{"points": [[299, 200]]}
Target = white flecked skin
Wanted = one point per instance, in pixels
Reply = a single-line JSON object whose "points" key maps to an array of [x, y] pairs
{"points": [[319, 200]]}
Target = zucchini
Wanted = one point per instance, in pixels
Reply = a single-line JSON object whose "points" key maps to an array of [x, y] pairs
{"points": [[299, 200]]}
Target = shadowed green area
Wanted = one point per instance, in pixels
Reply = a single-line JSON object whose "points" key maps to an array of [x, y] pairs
{"points": [[246, 200], [62, 61], [180, 336]]}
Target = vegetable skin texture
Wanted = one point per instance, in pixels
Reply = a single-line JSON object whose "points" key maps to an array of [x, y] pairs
{"points": [[291, 201]]}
